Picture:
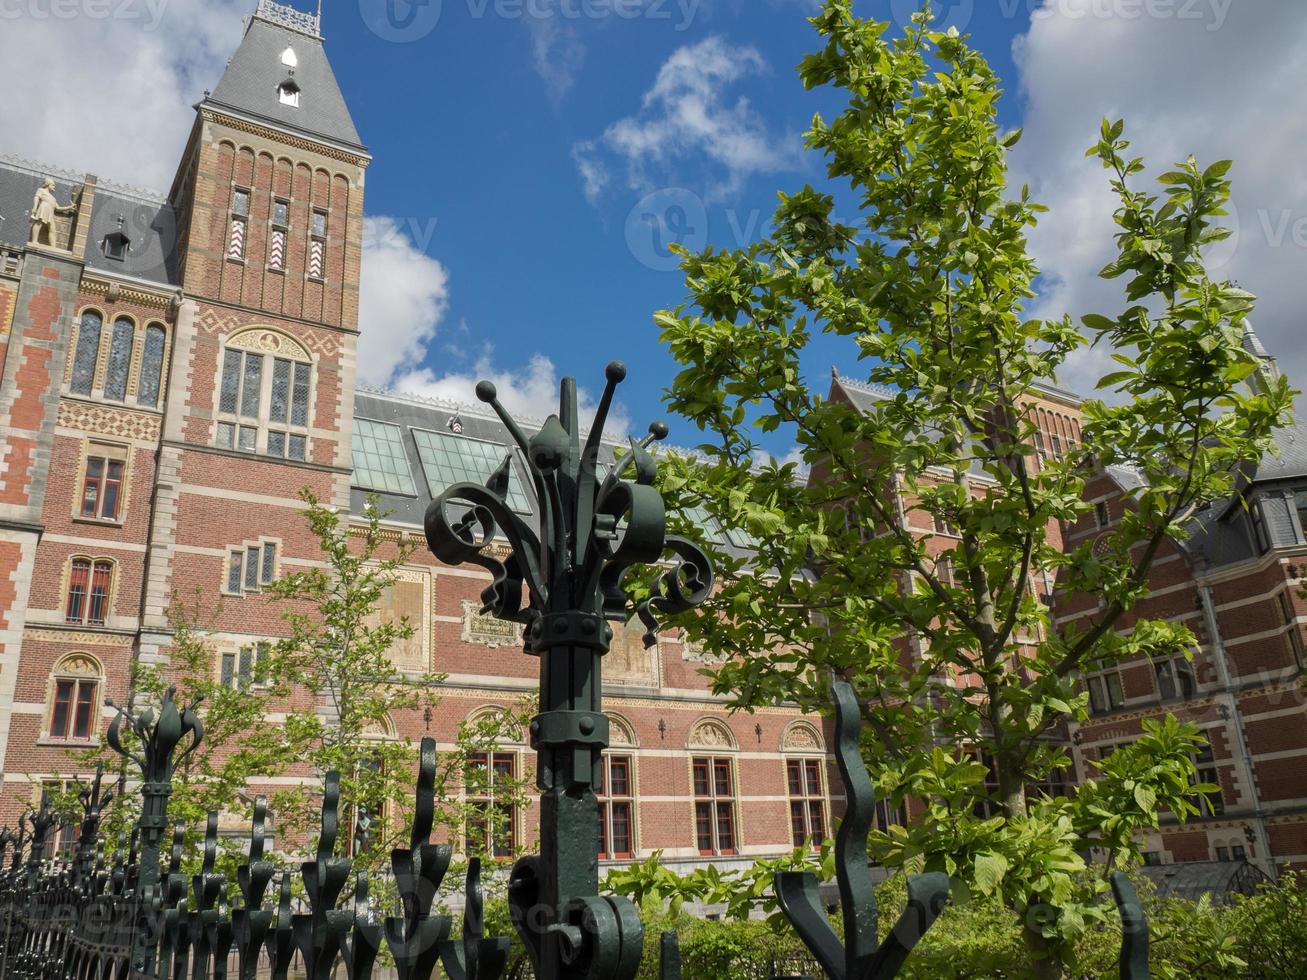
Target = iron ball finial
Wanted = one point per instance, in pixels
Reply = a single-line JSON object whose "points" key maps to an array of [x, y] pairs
{"points": [[486, 391], [658, 430], [615, 372]]}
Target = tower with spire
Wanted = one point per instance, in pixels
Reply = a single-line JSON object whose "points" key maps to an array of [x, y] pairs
{"points": [[269, 203]]}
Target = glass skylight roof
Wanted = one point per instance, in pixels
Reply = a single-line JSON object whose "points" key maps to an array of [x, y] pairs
{"points": [[379, 460], [450, 459]]}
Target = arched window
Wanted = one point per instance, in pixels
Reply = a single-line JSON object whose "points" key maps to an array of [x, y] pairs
{"points": [[148, 388], [89, 584], [74, 699], [263, 395], [120, 359], [86, 353], [805, 783]]}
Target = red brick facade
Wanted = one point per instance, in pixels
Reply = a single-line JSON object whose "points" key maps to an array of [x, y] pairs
{"points": [[185, 491]]}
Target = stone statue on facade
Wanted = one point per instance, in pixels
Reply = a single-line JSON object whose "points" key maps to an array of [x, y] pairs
{"points": [[45, 207]]}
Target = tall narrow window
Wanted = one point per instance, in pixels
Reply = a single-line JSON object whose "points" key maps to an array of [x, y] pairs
{"points": [[1101, 515], [807, 801], [1213, 804], [1175, 679], [277, 240], [86, 353], [714, 806], [120, 359], [250, 567], [151, 380], [74, 705], [318, 245], [89, 585], [102, 488], [1294, 632], [1105, 692], [616, 808], [79, 580], [1300, 504], [241, 670], [489, 782], [240, 214], [1260, 537]]}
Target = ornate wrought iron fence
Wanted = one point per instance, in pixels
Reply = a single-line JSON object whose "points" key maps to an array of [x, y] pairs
{"points": [[93, 916]]}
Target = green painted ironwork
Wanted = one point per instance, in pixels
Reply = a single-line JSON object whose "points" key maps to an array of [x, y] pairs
{"points": [[1134, 930], [568, 569], [860, 956]]}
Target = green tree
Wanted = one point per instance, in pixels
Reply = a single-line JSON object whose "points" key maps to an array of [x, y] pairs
{"points": [[239, 748], [929, 285], [338, 653]]}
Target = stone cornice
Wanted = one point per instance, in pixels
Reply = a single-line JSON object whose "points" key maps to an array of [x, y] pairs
{"points": [[226, 116]]}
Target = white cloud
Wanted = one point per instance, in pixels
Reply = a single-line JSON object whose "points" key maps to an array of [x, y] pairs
{"points": [[110, 88], [687, 120], [528, 390], [1219, 87], [403, 294], [557, 54]]}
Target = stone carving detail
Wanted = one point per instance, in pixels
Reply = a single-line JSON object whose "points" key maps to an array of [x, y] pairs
{"points": [[628, 662], [105, 421], [409, 596], [802, 737], [268, 342], [78, 665], [487, 630], [695, 653], [45, 209], [211, 323], [37, 635], [620, 733], [711, 734]]}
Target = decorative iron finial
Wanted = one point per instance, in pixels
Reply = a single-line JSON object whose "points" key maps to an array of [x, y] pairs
{"points": [[568, 567], [859, 956], [321, 934]]}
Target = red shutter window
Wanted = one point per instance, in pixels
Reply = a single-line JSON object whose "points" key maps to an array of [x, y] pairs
{"points": [[92, 487], [807, 801], [102, 488], [714, 806], [98, 606], [79, 581], [616, 808], [72, 714]]}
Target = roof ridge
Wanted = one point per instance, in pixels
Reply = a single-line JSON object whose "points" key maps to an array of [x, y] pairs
{"points": [[871, 387], [42, 169], [476, 409]]}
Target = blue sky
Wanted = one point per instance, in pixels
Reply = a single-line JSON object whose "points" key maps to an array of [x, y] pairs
{"points": [[531, 155], [534, 265]]}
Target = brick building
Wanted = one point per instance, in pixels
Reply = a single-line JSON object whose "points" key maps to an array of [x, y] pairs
{"points": [[177, 368], [174, 369], [1236, 582]]}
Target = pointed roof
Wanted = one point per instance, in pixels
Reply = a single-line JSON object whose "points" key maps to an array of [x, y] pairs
{"points": [[261, 66]]}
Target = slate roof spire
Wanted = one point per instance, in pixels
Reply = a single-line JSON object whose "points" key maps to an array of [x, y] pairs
{"points": [[1269, 371], [260, 74]]}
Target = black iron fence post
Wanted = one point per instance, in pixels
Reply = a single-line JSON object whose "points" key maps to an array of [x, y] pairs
{"points": [[592, 529], [156, 742]]}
